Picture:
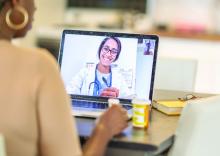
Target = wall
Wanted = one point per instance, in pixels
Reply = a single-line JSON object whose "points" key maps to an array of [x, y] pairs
{"points": [[207, 54], [200, 14]]}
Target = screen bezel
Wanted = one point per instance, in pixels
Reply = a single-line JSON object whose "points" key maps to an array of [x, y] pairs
{"points": [[111, 34]]}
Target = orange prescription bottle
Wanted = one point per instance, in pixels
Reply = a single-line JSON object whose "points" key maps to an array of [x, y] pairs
{"points": [[141, 110]]}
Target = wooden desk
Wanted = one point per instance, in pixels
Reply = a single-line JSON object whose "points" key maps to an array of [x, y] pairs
{"points": [[157, 137]]}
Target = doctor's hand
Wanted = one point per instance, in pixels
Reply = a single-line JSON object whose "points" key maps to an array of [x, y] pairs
{"points": [[110, 92]]}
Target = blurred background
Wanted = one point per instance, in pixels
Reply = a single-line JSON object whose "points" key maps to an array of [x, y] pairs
{"points": [[189, 31]]}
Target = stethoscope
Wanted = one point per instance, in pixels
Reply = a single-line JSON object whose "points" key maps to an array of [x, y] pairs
{"points": [[97, 84]]}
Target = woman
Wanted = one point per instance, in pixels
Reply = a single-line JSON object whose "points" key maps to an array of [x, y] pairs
{"points": [[102, 79], [35, 114]]}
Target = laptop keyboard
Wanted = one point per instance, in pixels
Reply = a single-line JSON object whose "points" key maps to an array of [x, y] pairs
{"points": [[94, 104]]}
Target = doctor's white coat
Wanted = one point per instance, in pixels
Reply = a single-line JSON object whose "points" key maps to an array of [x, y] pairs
{"points": [[79, 84]]}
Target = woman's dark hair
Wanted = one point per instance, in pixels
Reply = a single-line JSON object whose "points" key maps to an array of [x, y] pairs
{"points": [[105, 40], [2, 3]]}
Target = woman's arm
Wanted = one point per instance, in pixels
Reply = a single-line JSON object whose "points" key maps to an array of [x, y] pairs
{"points": [[112, 122]]}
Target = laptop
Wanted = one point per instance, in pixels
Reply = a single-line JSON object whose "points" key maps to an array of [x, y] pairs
{"points": [[96, 66]]}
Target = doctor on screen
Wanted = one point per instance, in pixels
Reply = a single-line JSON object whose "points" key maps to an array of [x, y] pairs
{"points": [[101, 79]]}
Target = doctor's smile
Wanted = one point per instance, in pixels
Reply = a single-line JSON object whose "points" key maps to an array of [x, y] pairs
{"points": [[108, 53]]}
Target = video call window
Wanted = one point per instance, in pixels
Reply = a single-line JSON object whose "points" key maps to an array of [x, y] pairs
{"points": [[130, 62]]}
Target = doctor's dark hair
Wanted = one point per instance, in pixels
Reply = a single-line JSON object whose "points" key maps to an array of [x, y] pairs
{"points": [[105, 40]]}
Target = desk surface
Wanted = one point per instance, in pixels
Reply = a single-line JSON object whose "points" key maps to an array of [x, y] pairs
{"points": [[157, 137]]}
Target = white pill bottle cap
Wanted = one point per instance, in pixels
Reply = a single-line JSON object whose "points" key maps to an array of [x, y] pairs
{"points": [[112, 101]]}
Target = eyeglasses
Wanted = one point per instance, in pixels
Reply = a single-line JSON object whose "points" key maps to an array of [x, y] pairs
{"points": [[188, 97], [112, 51]]}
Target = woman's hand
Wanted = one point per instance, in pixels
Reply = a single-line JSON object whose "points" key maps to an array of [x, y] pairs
{"points": [[113, 121]]}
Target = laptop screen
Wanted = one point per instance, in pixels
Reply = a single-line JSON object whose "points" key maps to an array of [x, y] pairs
{"points": [[106, 64]]}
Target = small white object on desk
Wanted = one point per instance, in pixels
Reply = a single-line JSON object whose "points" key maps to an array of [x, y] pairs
{"points": [[112, 101]]}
